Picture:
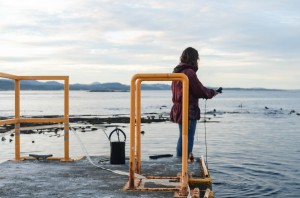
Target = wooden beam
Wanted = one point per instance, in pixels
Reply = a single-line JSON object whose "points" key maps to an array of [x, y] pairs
{"points": [[8, 121], [66, 120], [42, 120], [9, 76], [17, 117], [42, 77], [207, 180]]}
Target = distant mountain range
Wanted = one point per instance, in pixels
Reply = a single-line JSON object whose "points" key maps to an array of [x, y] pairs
{"points": [[94, 87]]}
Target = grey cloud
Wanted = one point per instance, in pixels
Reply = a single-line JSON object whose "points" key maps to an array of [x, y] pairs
{"points": [[245, 36]]}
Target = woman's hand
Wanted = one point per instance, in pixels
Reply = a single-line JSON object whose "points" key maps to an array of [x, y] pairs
{"points": [[215, 93]]}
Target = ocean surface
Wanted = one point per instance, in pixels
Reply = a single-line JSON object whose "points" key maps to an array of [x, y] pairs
{"points": [[252, 137]]}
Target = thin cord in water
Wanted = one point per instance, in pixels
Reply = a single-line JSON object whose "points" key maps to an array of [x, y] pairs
{"points": [[197, 137], [205, 135], [104, 130]]}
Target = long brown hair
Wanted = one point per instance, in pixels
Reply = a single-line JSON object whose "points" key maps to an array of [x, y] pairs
{"points": [[190, 56]]}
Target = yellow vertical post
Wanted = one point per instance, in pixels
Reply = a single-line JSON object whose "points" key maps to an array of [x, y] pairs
{"points": [[184, 174], [132, 133], [138, 126], [17, 117], [66, 119]]}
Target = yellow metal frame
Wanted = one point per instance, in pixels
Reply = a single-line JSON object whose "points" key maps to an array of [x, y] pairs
{"points": [[135, 124], [18, 120]]}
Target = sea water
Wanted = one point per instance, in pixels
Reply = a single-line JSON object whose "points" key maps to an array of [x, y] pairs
{"points": [[250, 140]]}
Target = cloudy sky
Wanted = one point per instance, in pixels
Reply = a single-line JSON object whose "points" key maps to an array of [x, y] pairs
{"points": [[249, 43]]}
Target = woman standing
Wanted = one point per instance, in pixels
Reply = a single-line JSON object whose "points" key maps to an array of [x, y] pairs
{"points": [[189, 66]]}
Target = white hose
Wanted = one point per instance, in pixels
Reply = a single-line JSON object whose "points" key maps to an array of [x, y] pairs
{"points": [[164, 182], [98, 166], [90, 160]]}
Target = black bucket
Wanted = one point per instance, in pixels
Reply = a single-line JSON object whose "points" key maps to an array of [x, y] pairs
{"points": [[117, 149]]}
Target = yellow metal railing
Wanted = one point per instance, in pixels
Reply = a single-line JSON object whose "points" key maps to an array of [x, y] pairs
{"points": [[18, 120], [135, 124]]}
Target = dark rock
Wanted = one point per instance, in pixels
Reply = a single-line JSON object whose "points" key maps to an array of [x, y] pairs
{"points": [[27, 132]]}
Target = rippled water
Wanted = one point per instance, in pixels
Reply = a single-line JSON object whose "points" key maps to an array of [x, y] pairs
{"points": [[252, 140]]}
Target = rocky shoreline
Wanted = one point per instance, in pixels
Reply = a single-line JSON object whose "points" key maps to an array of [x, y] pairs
{"points": [[112, 120], [85, 120]]}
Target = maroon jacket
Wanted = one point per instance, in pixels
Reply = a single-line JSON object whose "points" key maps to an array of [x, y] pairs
{"points": [[196, 91]]}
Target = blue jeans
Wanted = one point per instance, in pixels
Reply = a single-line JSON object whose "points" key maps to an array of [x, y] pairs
{"points": [[191, 133]]}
